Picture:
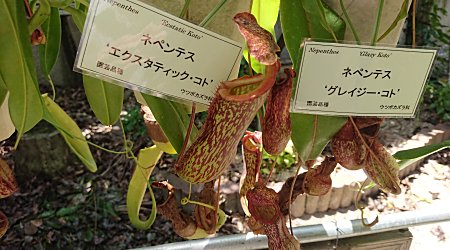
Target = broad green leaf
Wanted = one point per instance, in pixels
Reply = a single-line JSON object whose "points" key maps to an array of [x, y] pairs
{"points": [[69, 130], [48, 53], [403, 13], [295, 27], [300, 20], [17, 67], [313, 132], [408, 157], [78, 16], [308, 19], [323, 22], [266, 13], [39, 16], [104, 98], [147, 160], [173, 119]]}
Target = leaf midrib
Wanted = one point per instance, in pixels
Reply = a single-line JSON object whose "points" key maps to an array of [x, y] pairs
{"points": [[17, 38], [108, 113]]}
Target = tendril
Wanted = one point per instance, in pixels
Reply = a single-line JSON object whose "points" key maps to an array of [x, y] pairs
{"points": [[362, 207], [299, 165], [271, 169], [184, 201]]}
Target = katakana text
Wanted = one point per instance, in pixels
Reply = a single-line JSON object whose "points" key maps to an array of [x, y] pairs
{"points": [[364, 73], [359, 92]]}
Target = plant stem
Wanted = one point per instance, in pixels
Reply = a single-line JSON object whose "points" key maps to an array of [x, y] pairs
{"points": [[84, 2], [213, 12], [377, 22], [350, 23], [291, 191], [84, 139], [324, 20], [185, 8], [189, 130], [53, 87]]}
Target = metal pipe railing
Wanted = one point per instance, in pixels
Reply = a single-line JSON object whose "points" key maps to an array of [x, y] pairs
{"points": [[314, 233]]}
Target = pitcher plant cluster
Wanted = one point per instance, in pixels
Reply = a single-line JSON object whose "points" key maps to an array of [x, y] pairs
{"points": [[205, 154]]}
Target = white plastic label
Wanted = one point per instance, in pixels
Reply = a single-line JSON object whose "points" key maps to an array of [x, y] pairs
{"points": [[141, 47], [342, 79]]}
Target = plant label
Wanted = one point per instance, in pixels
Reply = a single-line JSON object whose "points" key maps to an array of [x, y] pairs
{"points": [[343, 79], [140, 47]]}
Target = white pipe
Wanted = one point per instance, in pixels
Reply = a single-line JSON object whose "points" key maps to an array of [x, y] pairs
{"points": [[315, 233]]}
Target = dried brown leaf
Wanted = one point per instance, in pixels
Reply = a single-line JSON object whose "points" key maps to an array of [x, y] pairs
{"points": [[8, 183], [4, 224], [205, 217]]}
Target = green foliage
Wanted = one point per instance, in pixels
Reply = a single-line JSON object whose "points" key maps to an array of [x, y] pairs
{"points": [[147, 160], [410, 156], [104, 98], [133, 123], [48, 53], [403, 13], [438, 99], [70, 131], [285, 161], [432, 32], [173, 119], [17, 67], [300, 20]]}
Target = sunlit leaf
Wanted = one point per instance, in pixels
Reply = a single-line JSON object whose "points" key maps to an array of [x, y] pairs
{"points": [[104, 98], [147, 160], [266, 13], [70, 132], [310, 19], [48, 52], [17, 67], [403, 13], [173, 119], [408, 157]]}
